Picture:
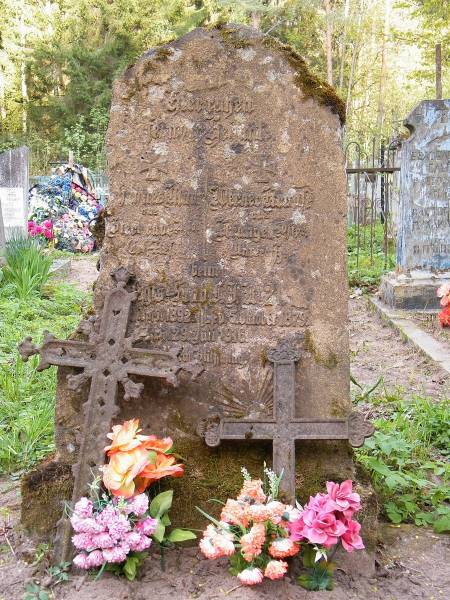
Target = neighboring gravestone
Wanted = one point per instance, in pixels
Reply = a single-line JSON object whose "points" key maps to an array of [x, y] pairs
{"points": [[228, 205], [13, 192], [423, 246]]}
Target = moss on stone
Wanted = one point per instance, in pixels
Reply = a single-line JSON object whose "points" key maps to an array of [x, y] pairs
{"points": [[229, 36], [311, 85], [162, 53], [43, 492], [339, 408], [330, 361]]}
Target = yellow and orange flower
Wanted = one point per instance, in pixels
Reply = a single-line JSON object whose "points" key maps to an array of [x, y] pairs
{"points": [[151, 442], [122, 469], [136, 461], [125, 437], [163, 467]]}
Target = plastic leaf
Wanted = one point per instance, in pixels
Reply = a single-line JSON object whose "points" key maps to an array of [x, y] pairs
{"points": [[181, 535], [161, 504]]}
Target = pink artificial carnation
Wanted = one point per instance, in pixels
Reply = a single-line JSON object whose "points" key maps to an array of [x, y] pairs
{"points": [[351, 540], [144, 543], [81, 561], [276, 510], [108, 514], [102, 540], [250, 576], [223, 541], [95, 559], [131, 538], [138, 505], [234, 513], [258, 513], [119, 526], [38, 230], [252, 491], [48, 224], [291, 514], [343, 497], [117, 554], [88, 525], [253, 541], [319, 528], [83, 541], [83, 508], [283, 547], [48, 233], [208, 549], [147, 526], [275, 569]]}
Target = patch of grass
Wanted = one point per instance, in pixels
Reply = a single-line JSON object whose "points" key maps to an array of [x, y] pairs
{"points": [[366, 271], [27, 267], [56, 254], [407, 459], [27, 398]]}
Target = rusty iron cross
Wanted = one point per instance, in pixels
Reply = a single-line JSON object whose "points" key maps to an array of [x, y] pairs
{"points": [[284, 429], [106, 359]]}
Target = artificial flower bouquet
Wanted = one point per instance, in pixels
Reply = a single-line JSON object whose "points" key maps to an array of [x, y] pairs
{"points": [[260, 534], [117, 524], [444, 294]]}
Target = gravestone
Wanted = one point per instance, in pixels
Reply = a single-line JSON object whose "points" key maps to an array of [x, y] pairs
{"points": [[423, 246], [228, 205], [13, 193]]}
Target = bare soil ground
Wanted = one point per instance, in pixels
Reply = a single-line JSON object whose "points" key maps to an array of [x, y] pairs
{"points": [[430, 322], [378, 351], [412, 562]]}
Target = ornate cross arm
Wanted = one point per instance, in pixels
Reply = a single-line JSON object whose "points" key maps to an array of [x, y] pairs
{"points": [[214, 428], [62, 353]]}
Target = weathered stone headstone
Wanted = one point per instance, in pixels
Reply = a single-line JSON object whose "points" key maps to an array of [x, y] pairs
{"points": [[423, 246], [13, 192], [228, 204]]}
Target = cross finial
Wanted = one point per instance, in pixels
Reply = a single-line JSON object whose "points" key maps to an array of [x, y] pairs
{"points": [[283, 353]]}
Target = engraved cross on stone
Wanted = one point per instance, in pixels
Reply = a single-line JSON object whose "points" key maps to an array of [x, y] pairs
{"points": [[107, 359], [284, 429]]}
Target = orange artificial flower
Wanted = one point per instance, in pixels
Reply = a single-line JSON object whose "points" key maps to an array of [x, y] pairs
{"points": [[444, 316], [123, 468], [125, 437], [151, 442], [164, 466]]}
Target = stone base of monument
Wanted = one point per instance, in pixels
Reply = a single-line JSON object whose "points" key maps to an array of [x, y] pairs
{"points": [[415, 290]]}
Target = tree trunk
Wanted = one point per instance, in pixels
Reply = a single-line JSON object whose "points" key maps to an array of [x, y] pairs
{"points": [[329, 41], [2, 98], [384, 68], [256, 20], [350, 81], [23, 79], [343, 42]]}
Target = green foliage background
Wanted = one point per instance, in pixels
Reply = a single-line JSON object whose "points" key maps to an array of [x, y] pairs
{"points": [[58, 59]]}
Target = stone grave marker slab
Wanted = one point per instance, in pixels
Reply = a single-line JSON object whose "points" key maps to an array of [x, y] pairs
{"points": [[13, 192], [228, 204], [423, 245]]}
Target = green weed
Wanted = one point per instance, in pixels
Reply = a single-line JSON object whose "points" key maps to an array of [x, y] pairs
{"points": [[27, 267], [27, 398], [366, 270], [406, 459]]}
